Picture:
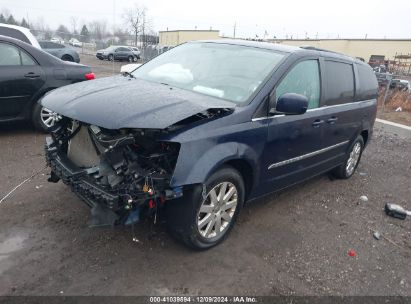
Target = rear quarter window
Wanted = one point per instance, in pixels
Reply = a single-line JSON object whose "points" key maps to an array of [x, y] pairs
{"points": [[368, 85], [339, 83]]}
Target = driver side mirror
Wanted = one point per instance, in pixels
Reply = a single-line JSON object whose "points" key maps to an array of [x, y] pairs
{"points": [[291, 104]]}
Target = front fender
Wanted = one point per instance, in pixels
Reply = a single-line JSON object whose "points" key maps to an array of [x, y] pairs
{"points": [[196, 162]]}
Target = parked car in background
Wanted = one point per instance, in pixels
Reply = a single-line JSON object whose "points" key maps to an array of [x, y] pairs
{"points": [[60, 51], [57, 40], [206, 126], [116, 52], [20, 33], [75, 42], [27, 74], [376, 60], [400, 84], [135, 51]]}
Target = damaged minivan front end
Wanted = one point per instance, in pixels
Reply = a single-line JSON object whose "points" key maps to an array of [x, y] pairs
{"points": [[178, 132], [118, 173]]}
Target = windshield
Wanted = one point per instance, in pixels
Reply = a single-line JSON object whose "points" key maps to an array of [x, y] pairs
{"points": [[231, 72]]}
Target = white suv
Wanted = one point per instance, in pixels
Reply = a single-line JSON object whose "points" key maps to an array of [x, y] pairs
{"points": [[20, 33]]}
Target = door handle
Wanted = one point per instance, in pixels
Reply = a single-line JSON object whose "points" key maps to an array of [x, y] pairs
{"points": [[317, 123], [32, 75], [332, 120]]}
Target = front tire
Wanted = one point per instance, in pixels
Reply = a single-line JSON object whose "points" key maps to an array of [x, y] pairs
{"points": [[347, 169], [130, 59], [203, 219]]}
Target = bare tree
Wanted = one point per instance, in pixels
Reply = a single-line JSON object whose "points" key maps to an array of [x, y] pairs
{"points": [[74, 22], [5, 12], [98, 29], [40, 29], [135, 20]]}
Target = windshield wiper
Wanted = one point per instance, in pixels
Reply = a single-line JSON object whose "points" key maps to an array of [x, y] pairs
{"points": [[128, 74]]}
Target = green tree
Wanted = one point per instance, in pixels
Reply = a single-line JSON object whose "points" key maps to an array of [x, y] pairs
{"points": [[85, 34], [24, 23], [11, 20], [63, 32], [2, 19]]}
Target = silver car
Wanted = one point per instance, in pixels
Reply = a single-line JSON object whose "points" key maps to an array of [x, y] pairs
{"points": [[60, 51]]}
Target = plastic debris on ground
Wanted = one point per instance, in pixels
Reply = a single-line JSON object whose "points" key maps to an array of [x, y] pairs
{"points": [[376, 235], [364, 198]]}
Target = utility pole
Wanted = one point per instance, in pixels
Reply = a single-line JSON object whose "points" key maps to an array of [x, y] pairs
{"points": [[235, 26], [114, 27]]}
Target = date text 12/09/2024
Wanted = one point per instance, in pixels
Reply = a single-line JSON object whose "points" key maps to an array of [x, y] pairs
{"points": [[203, 299]]}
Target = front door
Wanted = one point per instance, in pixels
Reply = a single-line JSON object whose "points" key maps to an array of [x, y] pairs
{"points": [[295, 142]]}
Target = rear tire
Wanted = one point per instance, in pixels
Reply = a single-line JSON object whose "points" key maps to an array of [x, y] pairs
{"points": [[110, 57], [67, 58], [130, 59], [347, 169], [202, 223]]}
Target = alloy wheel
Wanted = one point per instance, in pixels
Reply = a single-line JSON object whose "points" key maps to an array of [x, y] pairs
{"points": [[217, 210], [353, 159], [49, 117]]}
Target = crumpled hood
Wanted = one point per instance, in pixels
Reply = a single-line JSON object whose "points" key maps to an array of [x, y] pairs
{"points": [[123, 102]]}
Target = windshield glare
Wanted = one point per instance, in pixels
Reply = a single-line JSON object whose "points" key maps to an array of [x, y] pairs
{"points": [[230, 72]]}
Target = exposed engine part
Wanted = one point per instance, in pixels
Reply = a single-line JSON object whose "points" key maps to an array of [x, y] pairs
{"points": [[121, 171], [81, 150]]}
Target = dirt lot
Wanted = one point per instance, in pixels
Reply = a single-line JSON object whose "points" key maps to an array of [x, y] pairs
{"points": [[102, 68], [398, 117], [294, 242]]}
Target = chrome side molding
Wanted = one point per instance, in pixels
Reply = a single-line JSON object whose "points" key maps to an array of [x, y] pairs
{"points": [[298, 158]]}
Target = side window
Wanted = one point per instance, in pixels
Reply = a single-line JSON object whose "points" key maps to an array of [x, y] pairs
{"points": [[368, 85], [26, 59], [9, 55], [43, 44], [304, 79], [339, 83], [53, 45]]}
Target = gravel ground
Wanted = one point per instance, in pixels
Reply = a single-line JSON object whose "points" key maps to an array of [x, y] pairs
{"points": [[295, 242]]}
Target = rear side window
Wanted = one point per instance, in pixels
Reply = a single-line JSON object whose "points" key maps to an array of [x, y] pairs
{"points": [[368, 85], [26, 59], [12, 56], [304, 79], [13, 33], [9, 55], [339, 83], [53, 45]]}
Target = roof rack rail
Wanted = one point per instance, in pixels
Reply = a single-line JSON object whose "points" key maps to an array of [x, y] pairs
{"points": [[307, 47]]}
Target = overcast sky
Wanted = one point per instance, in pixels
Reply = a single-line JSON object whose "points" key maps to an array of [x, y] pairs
{"points": [[315, 18]]}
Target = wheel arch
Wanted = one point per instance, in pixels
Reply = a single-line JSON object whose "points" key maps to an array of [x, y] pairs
{"points": [[365, 136], [192, 170], [246, 171]]}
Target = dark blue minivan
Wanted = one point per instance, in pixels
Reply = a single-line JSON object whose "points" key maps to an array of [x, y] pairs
{"points": [[206, 126]]}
